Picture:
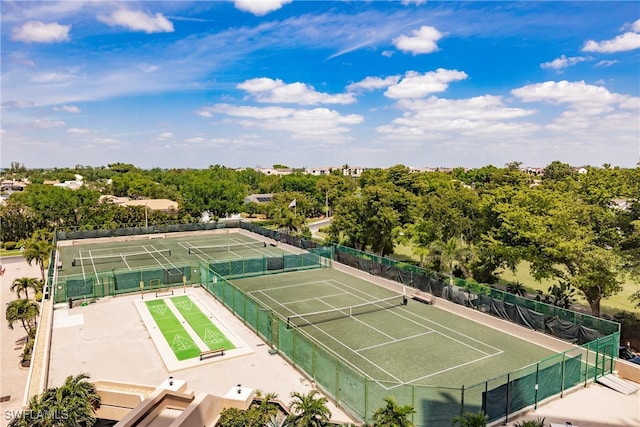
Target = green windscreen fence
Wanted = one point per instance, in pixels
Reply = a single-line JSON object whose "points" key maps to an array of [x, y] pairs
{"points": [[116, 282]]}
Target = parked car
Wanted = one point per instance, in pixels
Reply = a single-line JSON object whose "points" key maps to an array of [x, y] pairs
{"points": [[625, 354]]}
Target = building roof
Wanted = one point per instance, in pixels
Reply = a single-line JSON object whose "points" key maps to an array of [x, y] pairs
{"points": [[154, 204]]}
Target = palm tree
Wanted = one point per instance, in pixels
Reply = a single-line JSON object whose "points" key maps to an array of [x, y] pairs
{"points": [[23, 284], [307, 410], [538, 422], [24, 311], [72, 404], [517, 288], [471, 419], [392, 415], [455, 252], [38, 251]]}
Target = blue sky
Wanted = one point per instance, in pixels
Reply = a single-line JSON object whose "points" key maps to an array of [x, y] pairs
{"points": [[315, 83]]}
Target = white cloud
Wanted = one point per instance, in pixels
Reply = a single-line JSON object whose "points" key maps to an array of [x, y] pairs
{"points": [[563, 62], [68, 109], [416, 2], [195, 140], [623, 42], [138, 21], [421, 41], [372, 83], [635, 27], [438, 117], [164, 136], [260, 7], [276, 91], [416, 85], [47, 124], [317, 123], [606, 63], [79, 131], [40, 32], [585, 98], [147, 68]]}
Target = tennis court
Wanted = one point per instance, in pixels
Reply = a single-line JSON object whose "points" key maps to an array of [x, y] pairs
{"points": [[169, 251], [97, 268], [371, 330]]}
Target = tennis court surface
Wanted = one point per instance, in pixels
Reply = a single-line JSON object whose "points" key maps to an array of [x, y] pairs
{"points": [[371, 330]]}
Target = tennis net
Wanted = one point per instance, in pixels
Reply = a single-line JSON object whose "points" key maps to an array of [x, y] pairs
{"points": [[97, 259], [226, 248], [315, 317]]}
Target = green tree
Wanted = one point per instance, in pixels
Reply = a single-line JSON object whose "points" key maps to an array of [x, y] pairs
{"points": [[38, 251], [451, 254], [23, 311], [18, 220], [538, 422], [393, 415], [517, 288], [471, 419], [23, 284], [72, 404], [309, 410]]}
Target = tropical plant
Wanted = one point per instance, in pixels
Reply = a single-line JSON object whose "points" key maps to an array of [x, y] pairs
{"points": [[454, 253], [38, 251], [393, 415], [309, 410], [471, 419], [23, 284], [72, 404], [538, 422], [23, 311], [517, 288]]}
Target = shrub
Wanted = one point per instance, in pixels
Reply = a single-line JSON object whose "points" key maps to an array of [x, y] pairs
{"points": [[10, 245]]}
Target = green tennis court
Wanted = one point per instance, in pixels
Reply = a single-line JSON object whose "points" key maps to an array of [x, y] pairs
{"points": [[382, 338], [201, 324], [171, 252], [176, 335]]}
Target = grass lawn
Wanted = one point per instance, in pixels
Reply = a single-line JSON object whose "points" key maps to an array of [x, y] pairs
{"points": [[611, 305], [10, 252]]}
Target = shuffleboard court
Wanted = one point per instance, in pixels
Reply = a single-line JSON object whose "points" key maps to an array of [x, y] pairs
{"points": [[201, 324], [384, 339], [181, 343]]}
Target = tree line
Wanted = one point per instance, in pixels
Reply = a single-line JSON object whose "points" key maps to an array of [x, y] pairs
{"points": [[468, 223]]}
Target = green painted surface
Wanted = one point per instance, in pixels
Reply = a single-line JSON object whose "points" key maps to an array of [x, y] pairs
{"points": [[201, 324], [177, 337]]}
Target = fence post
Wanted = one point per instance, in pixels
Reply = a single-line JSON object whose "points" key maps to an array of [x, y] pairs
{"points": [[462, 401], [506, 408], [535, 406], [564, 354]]}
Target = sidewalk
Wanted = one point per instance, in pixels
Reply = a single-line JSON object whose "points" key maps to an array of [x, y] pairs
{"points": [[13, 377]]}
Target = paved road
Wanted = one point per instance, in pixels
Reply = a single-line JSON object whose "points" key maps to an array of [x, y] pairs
{"points": [[314, 227]]}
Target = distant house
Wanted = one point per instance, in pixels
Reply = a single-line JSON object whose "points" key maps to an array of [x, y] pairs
{"points": [[162, 205], [259, 198], [581, 170], [319, 171], [622, 204], [272, 171], [10, 186]]}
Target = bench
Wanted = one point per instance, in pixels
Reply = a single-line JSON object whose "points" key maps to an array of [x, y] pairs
{"points": [[217, 351], [164, 291], [59, 265], [427, 299]]}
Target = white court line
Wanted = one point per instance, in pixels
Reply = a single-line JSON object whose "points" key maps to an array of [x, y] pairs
{"points": [[124, 259], [184, 246], [358, 320], [292, 286], [160, 254], [451, 368], [84, 277], [94, 269], [262, 251], [499, 351], [394, 341], [350, 349], [317, 298]]}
